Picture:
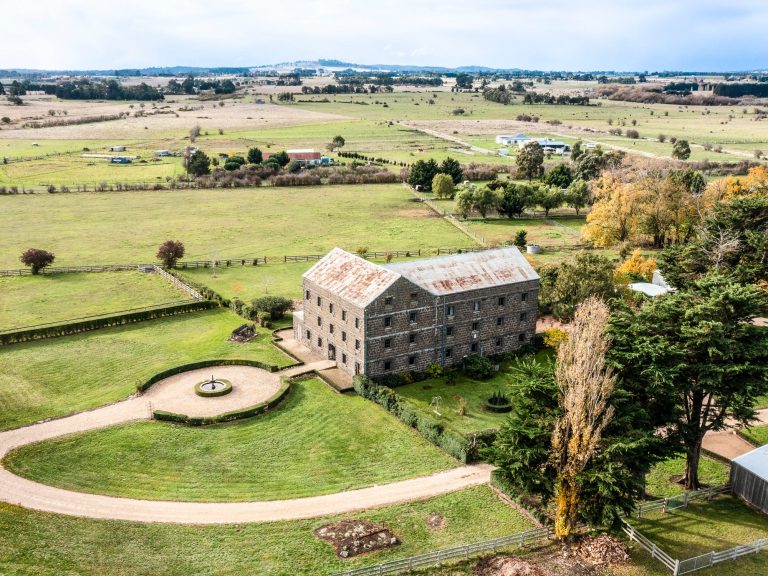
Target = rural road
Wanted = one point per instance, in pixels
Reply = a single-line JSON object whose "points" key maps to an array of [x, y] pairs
{"points": [[29, 494]]}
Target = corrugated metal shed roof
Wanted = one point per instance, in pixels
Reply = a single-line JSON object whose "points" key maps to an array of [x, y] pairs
{"points": [[350, 277], [471, 271], [755, 461]]}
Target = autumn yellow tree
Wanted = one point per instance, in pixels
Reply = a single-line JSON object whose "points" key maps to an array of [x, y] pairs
{"points": [[614, 214], [585, 385], [638, 266], [754, 183]]}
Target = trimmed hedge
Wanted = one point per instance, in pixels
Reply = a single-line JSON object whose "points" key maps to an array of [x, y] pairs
{"points": [[203, 364], [248, 412], [462, 447], [68, 329]]}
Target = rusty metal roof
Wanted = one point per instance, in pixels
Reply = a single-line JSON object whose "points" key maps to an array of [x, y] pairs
{"points": [[471, 271], [350, 277]]}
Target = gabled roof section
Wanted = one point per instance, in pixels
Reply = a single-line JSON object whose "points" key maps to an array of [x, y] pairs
{"points": [[350, 277], [470, 271], [755, 461]]}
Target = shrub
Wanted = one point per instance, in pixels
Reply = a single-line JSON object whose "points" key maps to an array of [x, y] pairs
{"points": [[275, 306], [553, 337], [170, 252], [477, 367], [37, 259]]}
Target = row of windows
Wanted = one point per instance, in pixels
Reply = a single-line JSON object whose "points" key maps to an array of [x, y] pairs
{"points": [[474, 348], [307, 296], [343, 339]]}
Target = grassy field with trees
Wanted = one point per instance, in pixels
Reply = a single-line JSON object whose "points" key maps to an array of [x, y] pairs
{"points": [[221, 223], [316, 442]]}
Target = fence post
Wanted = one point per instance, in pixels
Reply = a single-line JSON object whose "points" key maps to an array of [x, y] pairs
{"points": [[676, 569], [685, 499]]}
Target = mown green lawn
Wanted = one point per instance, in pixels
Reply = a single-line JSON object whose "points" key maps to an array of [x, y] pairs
{"points": [[316, 442], [563, 232], [660, 482], [703, 526], [59, 376], [90, 228], [40, 544], [29, 300], [474, 392], [758, 435]]}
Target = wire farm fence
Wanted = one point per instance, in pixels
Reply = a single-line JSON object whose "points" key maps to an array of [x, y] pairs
{"points": [[230, 262], [405, 565]]}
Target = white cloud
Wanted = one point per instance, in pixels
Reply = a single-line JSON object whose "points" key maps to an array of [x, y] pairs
{"points": [[557, 34]]}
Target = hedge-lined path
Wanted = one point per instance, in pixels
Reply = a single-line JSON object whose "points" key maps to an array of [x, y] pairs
{"points": [[29, 494], [728, 444]]}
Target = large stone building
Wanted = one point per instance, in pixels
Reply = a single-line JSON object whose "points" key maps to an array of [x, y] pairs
{"points": [[377, 320]]}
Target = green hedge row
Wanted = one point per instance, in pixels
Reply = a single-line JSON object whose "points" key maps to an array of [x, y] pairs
{"points": [[30, 334], [203, 364], [462, 447], [227, 416]]}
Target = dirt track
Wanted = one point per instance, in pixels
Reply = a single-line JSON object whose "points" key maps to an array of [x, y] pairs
{"points": [[22, 492]]}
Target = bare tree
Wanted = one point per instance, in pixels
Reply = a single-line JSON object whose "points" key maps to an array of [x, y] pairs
{"points": [[585, 385]]}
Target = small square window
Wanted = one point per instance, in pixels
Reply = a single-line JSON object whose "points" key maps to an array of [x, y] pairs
{"points": [[388, 343], [387, 365], [411, 360], [448, 352], [521, 338], [449, 331], [357, 344], [319, 321], [330, 328], [388, 322], [344, 315], [499, 341], [309, 335], [357, 322], [449, 311], [319, 301], [411, 338], [500, 321], [320, 342], [343, 336], [474, 347], [306, 295], [523, 316], [414, 296], [388, 301], [330, 307], [475, 326], [476, 306], [502, 300], [412, 317], [343, 358], [524, 296]]}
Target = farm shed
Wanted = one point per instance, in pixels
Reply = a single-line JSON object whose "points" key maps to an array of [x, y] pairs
{"points": [[749, 477]]}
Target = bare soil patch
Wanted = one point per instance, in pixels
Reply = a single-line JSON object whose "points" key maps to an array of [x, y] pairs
{"points": [[506, 566], [354, 537], [436, 521]]}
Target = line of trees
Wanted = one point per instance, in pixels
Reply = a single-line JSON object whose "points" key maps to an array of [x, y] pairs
{"points": [[109, 90]]}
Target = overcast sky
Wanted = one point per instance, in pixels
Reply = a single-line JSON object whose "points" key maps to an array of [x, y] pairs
{"points": [[535, 34]]}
